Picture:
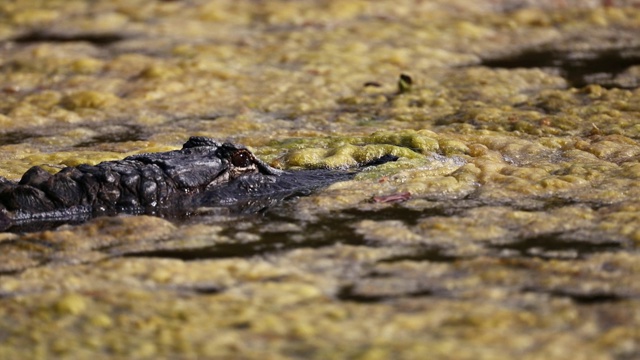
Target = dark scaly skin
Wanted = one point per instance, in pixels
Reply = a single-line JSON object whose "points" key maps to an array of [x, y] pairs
{"points": [[202, 173]]}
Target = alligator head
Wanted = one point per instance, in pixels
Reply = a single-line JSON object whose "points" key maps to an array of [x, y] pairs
{"points": [[203, 164]]}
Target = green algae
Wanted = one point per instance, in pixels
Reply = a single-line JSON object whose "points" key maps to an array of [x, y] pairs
{"points": [[88, 99], [518, 224]]}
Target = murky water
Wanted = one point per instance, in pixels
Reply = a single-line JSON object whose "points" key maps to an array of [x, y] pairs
{"points": [[579, 68]]}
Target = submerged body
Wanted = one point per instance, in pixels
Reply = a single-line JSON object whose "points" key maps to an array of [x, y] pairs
{"points": [[202, 173]]}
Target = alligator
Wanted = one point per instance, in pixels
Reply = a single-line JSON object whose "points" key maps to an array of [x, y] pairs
{"points": [[204, 173]]}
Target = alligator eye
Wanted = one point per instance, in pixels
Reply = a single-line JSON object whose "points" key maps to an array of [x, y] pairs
{"points": [[241, 158]]}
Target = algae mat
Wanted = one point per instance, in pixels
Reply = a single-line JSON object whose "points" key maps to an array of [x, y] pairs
{"points": [[508, 228]]}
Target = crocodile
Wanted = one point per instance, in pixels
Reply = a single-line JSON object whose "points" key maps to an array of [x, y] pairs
{"points": [[203, 173]]}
